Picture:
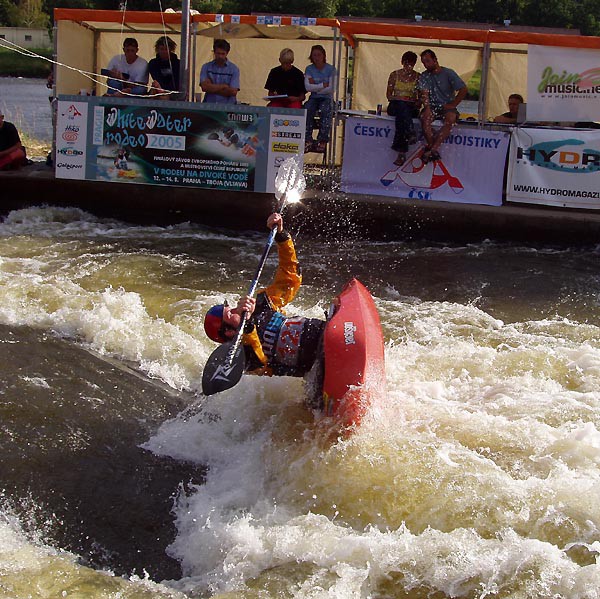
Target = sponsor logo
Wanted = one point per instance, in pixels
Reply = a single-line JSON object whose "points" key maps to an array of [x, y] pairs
{"points": [[421, 176], [287, 134], [574, 84], [72, 113], [286, 123], [289, 148], [349, 330], [240, 117], [70, 136], [67, 166], [563, 155], [70, 152]]}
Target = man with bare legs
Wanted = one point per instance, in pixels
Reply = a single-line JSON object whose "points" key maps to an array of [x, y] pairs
{"points": [[442, 90]]}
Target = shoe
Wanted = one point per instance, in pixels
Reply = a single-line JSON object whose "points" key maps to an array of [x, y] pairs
{"points": [[435, 156], [401, 159], [321, 147], [426, 156]]}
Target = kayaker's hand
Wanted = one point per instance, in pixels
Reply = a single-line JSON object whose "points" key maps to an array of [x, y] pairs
{"points": [[246, 304], [275, 220]]}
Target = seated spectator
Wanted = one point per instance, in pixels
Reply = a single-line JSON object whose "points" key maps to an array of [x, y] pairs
{"points": [[510, 117], [286, 80], [164, 69], [12, 153], [319, 80], [442, 90], [128, 71], [220, 78], [403, 102]]}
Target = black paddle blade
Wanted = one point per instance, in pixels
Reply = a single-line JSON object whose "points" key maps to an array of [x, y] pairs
{"points": [[221, 372]]}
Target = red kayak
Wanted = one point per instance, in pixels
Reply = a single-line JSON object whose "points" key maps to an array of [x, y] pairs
{"points": [[354, 357]]}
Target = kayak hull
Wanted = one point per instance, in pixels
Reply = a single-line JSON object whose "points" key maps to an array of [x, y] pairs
{"points": [[354, 379]]}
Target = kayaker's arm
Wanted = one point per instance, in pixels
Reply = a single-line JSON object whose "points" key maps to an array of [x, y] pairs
{"points": [[287, 279]]}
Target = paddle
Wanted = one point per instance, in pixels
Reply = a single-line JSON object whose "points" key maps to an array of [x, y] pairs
{"points": [[225, 365]]}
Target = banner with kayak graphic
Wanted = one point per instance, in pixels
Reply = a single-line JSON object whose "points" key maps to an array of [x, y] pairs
{"points": [[175, 143], [471, 170], [555, 167]]}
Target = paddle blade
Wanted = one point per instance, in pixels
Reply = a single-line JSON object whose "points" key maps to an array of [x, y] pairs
{"points": [[290, 178], [221, 372]]}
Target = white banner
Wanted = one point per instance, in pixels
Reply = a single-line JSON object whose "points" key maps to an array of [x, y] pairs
{"points": [[554, 167], [286, 139], [71, 138], [563, 84], [471, 170]]}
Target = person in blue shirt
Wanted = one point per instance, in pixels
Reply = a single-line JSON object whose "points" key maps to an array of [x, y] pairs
{"points": [[319, 80], [220, 78], [442, 90]]}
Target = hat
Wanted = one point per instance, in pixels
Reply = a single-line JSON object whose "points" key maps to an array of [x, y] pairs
{"points": [[213, 324]]}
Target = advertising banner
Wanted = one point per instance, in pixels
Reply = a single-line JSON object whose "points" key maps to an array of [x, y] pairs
{"points": [[563, 84], [554, 167], [71, 139], [237, 148], [471, 170]]}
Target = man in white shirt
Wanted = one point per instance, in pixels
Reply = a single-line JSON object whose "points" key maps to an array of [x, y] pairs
{"points": [[127, 70]]}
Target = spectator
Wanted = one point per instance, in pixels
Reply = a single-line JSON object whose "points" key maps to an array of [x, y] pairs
{"points": [[286, 80], [220, 78], [442, 90], [402, 96], [510, 117], [164, 69], [12, 153], [319, 79], [128, 71]]}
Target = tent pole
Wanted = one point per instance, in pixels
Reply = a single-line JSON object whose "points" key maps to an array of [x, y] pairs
{"points": [[184, 65], [193, 61], [483, 84]]}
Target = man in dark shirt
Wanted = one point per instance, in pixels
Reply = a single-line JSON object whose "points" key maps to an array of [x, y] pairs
{"points": [[12, 153], [286, 80], [164, 69]]}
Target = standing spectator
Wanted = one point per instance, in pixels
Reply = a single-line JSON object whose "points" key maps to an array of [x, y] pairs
{"points": [[127, 70], [220, 78], [164, 69], [319, 79], [402, 96], [510, 117], [286, 80], [12, 153], [442, 90]]}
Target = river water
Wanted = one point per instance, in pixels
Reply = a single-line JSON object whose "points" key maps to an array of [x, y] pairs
{"points": [[479, 477], [24, 102]]}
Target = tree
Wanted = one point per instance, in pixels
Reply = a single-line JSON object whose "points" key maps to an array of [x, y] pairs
{"points": [[8, 12], [30, 13]]}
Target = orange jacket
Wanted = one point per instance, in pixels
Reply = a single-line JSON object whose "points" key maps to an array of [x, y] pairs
{"points": [[280, 292]]}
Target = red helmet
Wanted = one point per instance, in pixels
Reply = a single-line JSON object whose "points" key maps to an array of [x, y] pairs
{"points": [[213, 324]]}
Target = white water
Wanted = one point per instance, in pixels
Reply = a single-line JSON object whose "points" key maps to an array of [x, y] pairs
{"points": [[479, 477]]}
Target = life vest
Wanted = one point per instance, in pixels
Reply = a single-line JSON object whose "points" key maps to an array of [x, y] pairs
{"points": [[280, 345]]}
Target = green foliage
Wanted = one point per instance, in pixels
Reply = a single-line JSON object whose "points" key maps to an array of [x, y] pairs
{"points": [[8, 11], [16, 65]]}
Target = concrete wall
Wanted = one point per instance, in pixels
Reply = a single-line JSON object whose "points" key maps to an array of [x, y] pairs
{"points": [[26, 37]]}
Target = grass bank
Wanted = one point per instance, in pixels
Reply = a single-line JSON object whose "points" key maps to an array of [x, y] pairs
{"points": [[13, 64]]}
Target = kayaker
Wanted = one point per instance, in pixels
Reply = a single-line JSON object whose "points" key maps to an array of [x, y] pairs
{"points": [[274, 344]]}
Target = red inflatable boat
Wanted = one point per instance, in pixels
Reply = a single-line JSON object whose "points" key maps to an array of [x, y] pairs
{"points": [[354, 357]]}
